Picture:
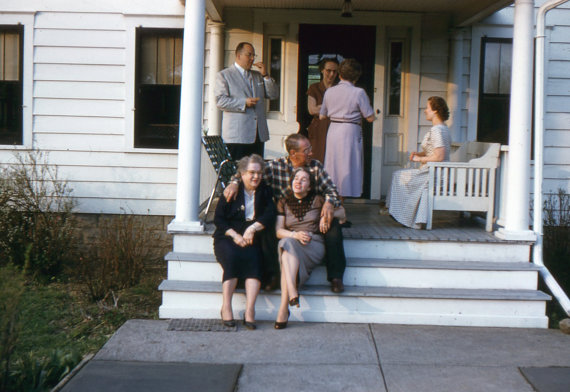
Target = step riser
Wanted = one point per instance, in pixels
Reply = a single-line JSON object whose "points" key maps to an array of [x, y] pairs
{"points": [[460, 312], [391, 249], [382, 277], [443, 251]]}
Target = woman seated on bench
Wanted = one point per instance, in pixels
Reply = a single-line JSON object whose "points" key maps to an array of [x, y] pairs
{"points": [[407, 199]]}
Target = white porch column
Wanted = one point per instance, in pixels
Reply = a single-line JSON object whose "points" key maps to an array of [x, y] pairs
{"points": [[518, 181], [455, 86], [216, 64], [189, 144]]}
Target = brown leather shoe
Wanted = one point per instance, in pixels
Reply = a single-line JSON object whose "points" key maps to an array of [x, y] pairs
{"points": [[337, 286], [273, 284]]}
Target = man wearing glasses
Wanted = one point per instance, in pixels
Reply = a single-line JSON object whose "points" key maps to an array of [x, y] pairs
{"points": [[239, 91], [277, 175]]}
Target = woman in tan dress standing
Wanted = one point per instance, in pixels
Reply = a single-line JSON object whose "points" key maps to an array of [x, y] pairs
{"points": [[318, 129]]}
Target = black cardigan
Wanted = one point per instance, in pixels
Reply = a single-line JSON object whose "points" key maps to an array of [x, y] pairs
{"points": [[232, 215]]}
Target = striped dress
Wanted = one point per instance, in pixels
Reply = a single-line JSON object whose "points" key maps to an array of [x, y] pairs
{"points": [[407, 198]]}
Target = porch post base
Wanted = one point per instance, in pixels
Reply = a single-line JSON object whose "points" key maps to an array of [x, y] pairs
{"points": [[523, 235], [176, 227]]}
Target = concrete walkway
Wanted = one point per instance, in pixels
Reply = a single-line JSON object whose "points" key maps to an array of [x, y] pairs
{"points": [[144, 356]]}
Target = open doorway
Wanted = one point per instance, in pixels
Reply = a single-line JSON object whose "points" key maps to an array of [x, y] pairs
{"points": [[341, 41]]}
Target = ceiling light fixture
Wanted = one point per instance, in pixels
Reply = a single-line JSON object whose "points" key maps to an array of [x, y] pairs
{"points": [[346, 10]]}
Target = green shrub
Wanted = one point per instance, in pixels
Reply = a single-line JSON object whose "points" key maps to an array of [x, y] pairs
{"points": [[11, 290], [116, 258], [37, 226], [31, 373]]}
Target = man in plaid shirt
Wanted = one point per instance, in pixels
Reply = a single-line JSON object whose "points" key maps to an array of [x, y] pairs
{"points": [[277, 175]]}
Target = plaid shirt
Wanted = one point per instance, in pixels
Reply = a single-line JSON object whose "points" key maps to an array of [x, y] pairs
{"points": [[278, 176]]}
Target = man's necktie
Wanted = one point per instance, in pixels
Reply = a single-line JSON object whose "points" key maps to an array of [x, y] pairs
{"points": [[249, 80]]}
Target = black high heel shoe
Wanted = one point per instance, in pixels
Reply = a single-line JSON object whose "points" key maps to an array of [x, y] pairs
{"points": [[294, 302], [248, 325], [227, 323], [283, 324]]}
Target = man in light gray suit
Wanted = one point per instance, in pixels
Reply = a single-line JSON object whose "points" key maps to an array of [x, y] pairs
{"points": [[239, 91]]}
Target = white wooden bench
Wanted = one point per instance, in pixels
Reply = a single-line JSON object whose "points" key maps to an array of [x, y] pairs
{"points": [[466, 182]]}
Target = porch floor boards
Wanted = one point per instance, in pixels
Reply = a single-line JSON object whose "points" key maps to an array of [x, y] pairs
{"points": [[369, 224]]}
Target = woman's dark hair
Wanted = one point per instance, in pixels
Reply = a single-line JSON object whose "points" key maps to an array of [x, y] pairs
{"points": [[439, 106], [350, 70], [306, 170], [326, 60], [245, 161], [300, 207]]}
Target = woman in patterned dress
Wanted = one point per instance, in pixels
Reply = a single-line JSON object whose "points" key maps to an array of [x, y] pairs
{"points": [[301, 245], [407, 199], [346, 105]]}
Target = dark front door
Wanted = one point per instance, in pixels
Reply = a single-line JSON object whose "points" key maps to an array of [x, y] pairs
{"points": [[340, 41]]}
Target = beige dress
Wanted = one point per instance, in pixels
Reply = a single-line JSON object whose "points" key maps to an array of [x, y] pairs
{"points": [[313, 253]]}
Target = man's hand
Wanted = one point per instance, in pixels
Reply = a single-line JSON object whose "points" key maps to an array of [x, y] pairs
{"points": [[327, 213], [261, 67], [230, 192], [251, 102]]}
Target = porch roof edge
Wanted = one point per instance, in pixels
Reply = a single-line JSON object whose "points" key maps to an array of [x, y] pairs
{"points": [[479, 16]]}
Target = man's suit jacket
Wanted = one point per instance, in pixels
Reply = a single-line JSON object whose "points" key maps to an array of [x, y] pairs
{"points": [[239, 124]]}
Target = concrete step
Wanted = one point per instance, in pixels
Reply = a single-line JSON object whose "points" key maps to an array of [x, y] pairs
{"points": [[398, 249], [504, 308], [385, 272]]}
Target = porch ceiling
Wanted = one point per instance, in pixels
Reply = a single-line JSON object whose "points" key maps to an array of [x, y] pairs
{"points": [[463, 12]]}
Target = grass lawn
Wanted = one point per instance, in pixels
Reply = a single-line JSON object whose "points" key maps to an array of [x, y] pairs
{"points": [[61, 318]]}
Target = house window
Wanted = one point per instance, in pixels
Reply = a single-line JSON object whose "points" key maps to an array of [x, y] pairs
{"points": [[157, 87], [495, 90], [275, 65], [395, 78], [11, 85]]}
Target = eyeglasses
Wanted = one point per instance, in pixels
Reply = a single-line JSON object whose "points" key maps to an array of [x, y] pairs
{"points": [[254, 172], [308, 149], [250, 55]]}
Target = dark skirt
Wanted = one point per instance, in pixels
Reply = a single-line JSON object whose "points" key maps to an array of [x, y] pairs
{"points": [[238, 262]]}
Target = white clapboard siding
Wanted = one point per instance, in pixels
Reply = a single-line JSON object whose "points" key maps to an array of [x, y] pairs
{"points": [[118, 206], [79, 90], [113, 159], [557, 103], [82, 142], [121, 175], [80, 21], [121, 191], [78, 125], [558, 86], [75, 107], [560, 138], [80, 72], [558, 69], [67, 55], [556, 155], [560, 34], [79, 37]]}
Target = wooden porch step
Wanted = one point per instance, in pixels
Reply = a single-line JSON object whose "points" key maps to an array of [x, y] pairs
{"points": [[398, 248], [509, 308], [385, 272]]}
